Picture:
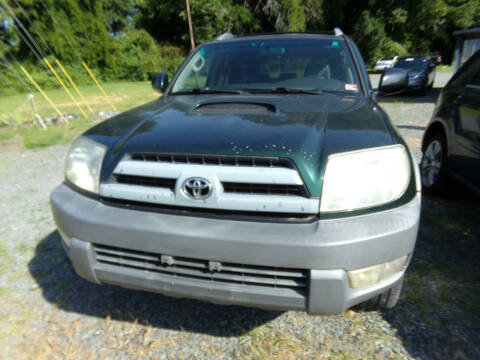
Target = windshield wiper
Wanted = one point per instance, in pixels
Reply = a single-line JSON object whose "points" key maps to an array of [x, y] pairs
{"points": [[285, 90], [196, 91]]}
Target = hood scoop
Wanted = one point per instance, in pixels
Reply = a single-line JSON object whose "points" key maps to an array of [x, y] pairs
{"points": [[241, 108]]}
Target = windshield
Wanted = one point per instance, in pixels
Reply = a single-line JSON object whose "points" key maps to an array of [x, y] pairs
{"points": [[313, 64], [410, 63]]}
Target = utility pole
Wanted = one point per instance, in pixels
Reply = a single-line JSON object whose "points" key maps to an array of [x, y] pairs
{"points": [[192, 41]]}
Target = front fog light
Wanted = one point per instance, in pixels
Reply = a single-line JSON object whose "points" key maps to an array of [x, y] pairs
{"points": [[374, 274]]}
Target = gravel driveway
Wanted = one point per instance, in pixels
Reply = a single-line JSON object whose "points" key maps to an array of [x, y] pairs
{"points": [[48, 312]]}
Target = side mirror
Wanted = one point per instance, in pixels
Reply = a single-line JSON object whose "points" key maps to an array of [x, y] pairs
{"points": [[160, 81], [393, 80]]}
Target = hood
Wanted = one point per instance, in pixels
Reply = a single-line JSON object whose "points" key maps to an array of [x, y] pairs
{"points": [[304, 128], [416, 71], [414, 68]]}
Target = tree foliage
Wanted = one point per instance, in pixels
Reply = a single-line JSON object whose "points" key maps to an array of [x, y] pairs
{"points": [[131, 39]]}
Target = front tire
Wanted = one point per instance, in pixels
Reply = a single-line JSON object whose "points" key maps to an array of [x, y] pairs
{"points": [[433, 166], [386, 300], [423, 90]]}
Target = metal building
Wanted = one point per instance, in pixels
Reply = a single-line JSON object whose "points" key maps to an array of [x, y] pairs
{"points": [[468, 42]]}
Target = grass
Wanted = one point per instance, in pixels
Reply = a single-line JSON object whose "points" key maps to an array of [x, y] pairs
{"points": [[444, 271], [445, 68], [16, 111]]}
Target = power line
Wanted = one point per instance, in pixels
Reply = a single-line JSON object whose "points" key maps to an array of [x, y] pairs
{"points": [[33, 26], [59, 28], [22, 36], [34, 43], [40, 51], [15, 71], [34, 46], [6, 80]]}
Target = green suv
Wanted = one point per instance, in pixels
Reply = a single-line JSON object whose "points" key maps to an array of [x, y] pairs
{"points": [[266, 175]]}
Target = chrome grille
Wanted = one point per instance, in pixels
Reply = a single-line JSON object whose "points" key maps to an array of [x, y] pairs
{"points": [[228, 187], [240, 183], [230, 273]]}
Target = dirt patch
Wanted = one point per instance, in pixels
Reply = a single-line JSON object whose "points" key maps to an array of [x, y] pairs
{"points": [[13, 144]]}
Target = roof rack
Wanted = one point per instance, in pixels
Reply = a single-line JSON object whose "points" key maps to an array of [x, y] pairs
{"points": [[225, 36], [337, 31]]}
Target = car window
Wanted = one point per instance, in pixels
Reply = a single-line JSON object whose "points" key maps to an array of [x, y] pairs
{"points": [[410, 63], [320, 64]]}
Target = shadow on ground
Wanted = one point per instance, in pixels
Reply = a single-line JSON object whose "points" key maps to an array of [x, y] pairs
{"points": [[62, 286], [429, 98], [438, 317]]}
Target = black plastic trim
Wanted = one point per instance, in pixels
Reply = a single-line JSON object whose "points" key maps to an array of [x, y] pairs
{"points": [[235, 215]]}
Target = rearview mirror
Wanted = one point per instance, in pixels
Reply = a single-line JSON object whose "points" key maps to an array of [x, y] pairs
{"points": [[160, 81], [393, 80]]}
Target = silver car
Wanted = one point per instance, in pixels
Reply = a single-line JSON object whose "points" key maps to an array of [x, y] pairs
{"points": [[382, 64]]}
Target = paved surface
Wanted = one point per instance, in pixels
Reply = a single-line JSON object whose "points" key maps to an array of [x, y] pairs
{"points": [[48, 312]]}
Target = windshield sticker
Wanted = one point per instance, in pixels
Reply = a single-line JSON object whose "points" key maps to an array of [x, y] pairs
{"points": [[351, 87], [334, 43], [409, 59]]}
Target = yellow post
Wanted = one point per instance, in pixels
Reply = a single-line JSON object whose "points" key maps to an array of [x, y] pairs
{"points": [[64, 86], [98, 85], [74, 85], [41, 92]]}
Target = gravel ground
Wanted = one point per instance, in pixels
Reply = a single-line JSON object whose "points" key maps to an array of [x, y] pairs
{"points": [[48, 312]]}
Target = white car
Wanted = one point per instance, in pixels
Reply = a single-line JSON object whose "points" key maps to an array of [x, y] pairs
{"points": [[382, 64]]}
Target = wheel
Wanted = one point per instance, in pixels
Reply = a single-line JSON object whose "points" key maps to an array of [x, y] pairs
{"points": [[423, 90], [433, 166], [386, 300]]}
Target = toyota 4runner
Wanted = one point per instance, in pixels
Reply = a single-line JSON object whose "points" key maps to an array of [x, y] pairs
{"points": [[266, 175]]}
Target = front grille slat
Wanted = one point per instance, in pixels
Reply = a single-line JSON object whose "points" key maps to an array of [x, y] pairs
{"points": [[240, 274], [146, 181], [103, 251], [264, 189], [276, 272], [226, 160]]}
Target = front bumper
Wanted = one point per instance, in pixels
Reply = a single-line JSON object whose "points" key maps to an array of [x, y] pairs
{"points": [[380, 68], [325, 249], [416, 83]]}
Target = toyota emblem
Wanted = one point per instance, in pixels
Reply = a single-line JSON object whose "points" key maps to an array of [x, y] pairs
{"points": [[197, 188]]}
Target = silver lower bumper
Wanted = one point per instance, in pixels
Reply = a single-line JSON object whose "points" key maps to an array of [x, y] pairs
{"points": [[325, 248]]}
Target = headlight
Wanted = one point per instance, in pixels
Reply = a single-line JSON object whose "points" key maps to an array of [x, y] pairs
{"points": [[83, 164], [362, 179]]}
